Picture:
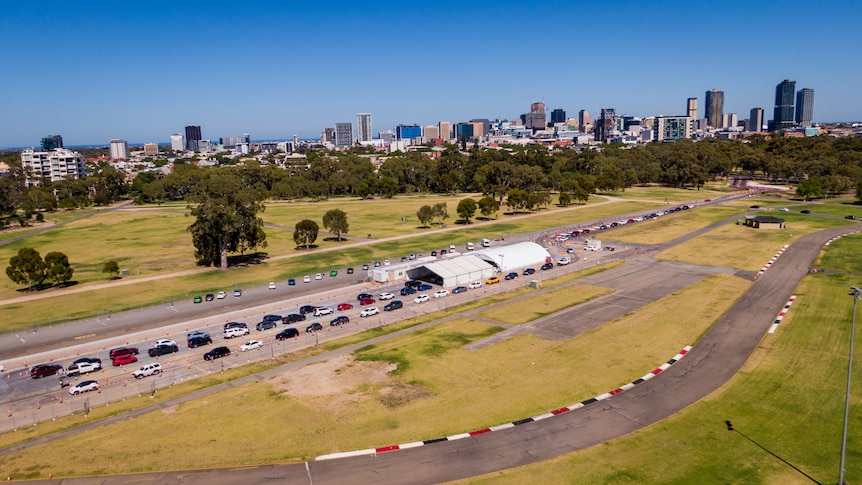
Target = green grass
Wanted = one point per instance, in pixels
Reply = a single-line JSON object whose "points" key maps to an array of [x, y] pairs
{"points": [[789, 399], [667, 194], [843, 255], [537, 306], [669, 227]]}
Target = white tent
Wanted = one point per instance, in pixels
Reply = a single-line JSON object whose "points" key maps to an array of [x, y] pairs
{"points": [[515, 256]]}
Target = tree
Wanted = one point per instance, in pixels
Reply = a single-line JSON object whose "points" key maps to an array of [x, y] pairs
{"points": [[27, 268], [111, 268], [225, 217], [439, 212], [466, 209], [810, 189], [488, 206], [336, 221], [57, 268], [305, 233], [425, 214], [565, 199]]}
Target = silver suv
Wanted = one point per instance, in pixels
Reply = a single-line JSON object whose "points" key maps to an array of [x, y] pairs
{"points": [[235, 332], [148, 370]]}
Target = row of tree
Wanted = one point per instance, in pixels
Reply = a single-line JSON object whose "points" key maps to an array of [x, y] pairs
{"points": [[28, 268]]}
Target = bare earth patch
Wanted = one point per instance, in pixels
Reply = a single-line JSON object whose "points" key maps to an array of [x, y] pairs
{"points": [[338, 376]]}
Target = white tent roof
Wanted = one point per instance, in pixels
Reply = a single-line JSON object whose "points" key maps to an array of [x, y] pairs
{"points": [[451, 268], [514, 256]]}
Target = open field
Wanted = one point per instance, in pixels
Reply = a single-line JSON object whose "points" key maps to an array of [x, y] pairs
{"points": [[668, 195], [669, 227], [528, 309], [745, 248], [843, 255], [788, 399], [430, 393]]}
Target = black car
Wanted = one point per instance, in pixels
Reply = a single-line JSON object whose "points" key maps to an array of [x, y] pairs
{"points": [[271, 318], [339, 320], [349, 270], [306, 309], [234, 325], [364, 266], [209, 297], [424, 287], [407, 291], [266, 325], [163, 350], [412, 283], [511, 276], [293, 318], [217, 353], [805, 211], [88, 360], [314, 327], [459, 289], [548, 266], [365, 296], [287, 333], [393, 305], [291, 282], [529, 271], [199, 340], [850, 217]]}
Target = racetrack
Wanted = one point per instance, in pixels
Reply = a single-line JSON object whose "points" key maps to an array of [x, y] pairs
{"points": [[710, 364]]}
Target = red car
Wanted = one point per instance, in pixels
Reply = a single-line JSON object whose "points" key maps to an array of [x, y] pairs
{"points": [[123, 351], [124, 359], [344, 306], [366, 301]]}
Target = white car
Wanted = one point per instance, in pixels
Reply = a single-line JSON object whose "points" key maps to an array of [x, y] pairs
{"points": [[368, 311], [441, 293], [221, 295], [421, 299], [148, 370], [250, 345], [784, 209], [164, 341], [85, 386], [318, 276], [271, 285], [322, 310], [564, 261], [386, 296], [235, 332], [83, 368], [475, 284], [306, 279]]}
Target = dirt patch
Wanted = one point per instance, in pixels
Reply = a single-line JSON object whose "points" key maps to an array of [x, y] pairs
{"points": [[399, 394], [338, 376]]}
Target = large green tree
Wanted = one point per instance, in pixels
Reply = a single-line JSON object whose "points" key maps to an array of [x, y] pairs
{"points": [[488, 206], [226, 219], [466, 209], [425, 214], [57, 268], [336, 221], [27, 267], [305, 233]]}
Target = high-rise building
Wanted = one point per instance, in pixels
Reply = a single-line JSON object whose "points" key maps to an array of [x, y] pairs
{"points": [[430, 133], [804, 107], [51, 165], [119, 149], [691, 108], [605, 125], [193, 136], [408, 132], [388, 136], [51, 142], [177, 142], [584, 119], [714, 108], [343, 134], [536, 119], [363, 127], [463, 131], [151, 148], [782, 115], [444, 129], [671, 128], [558, 116], [232, 141], [730, 120], [755, 119], [327, 135]]}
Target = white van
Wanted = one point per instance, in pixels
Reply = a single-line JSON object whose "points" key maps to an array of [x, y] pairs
{"points": [[486, 243], [469, 246]]}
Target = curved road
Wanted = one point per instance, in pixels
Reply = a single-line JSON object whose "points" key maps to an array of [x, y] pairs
{"points": [[710, 364]]}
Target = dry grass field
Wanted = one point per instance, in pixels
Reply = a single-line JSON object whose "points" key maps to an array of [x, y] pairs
{"points": [[525, 310]]}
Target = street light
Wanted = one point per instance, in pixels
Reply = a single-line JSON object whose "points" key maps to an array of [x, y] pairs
{"points": [[856, 293]]}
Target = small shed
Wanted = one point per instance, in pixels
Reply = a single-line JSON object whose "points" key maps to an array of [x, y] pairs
{"points": [[764, 222]]}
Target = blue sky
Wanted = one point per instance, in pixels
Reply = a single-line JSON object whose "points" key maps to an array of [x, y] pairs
{"points": [[95, 70]]}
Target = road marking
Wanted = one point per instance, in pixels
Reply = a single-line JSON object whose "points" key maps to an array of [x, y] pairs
{"points": [[242, 469], [85, 336], [139, 480]]}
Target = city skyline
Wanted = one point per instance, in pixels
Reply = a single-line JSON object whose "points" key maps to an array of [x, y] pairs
{"points": [[272, 70]]}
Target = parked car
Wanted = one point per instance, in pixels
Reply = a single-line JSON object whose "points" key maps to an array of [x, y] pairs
{"points": [[165, 349], [164, 341], [475, 284], [407, 291], [91, 360], [441, 293], [424, 287], [230, 325], [492, 280], [314, 327], [265, 325], [306, 279], [221, 295], [511, 276], [564, 261], [333, 273], [529, 271], [235, 332], [547, 266], [209, 297], [293, 318], [291, 282], [199, 340], [421, 299], [148, 370], [459, 289], [339, 320], [122, 351], [349, 270], [83, 368], [344, 306], [365, 266], [124, 359], [197, 333], [386, 296], [366, 301], [85, 386], [805, 211], [413, 283], [237, 293], [198, 299], [271, 285], [272, 317], [318, 276], [393, 305], [852, 217], [368, 311], [304, 309], [287, 333], [363, 296], [217, 353], [320, 311], [784, 209], [250, 345], [608, 248], [44, 370]]}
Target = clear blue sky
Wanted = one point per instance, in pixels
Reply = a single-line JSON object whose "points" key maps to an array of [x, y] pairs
{"points": [[91, 71]]}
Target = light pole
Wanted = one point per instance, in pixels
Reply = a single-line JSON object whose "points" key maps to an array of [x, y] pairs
{"points": [[501, 261], [856, 293]]}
